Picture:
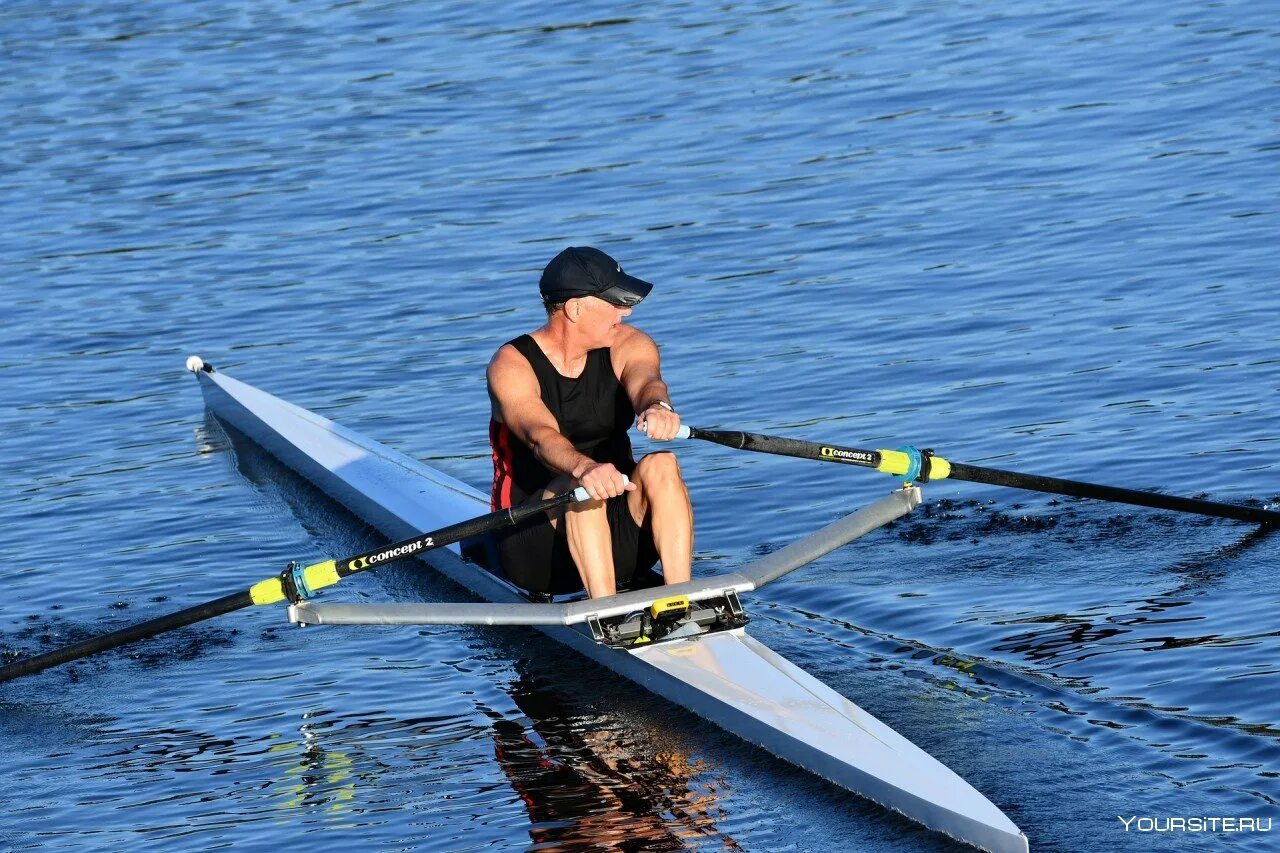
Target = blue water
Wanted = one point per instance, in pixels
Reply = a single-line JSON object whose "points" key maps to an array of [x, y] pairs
{"points": [[1036, 236]]}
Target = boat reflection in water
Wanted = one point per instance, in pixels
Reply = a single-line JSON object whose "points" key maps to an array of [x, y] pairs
{"points": [[584, 784], [580, 776]]}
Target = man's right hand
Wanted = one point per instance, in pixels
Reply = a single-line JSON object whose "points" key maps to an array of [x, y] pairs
{"points": [[603, 481]]}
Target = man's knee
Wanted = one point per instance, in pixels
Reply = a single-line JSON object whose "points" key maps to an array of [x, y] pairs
{"points": [[660, 468]]}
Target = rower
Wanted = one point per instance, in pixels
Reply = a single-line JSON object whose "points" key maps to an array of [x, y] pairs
{"points": [[563, 397]]}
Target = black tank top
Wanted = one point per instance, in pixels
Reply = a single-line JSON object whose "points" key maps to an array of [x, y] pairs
{"points": [[593, 412]]}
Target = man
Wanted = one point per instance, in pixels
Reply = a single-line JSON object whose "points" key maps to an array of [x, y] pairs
{"points": [[563, 398]]}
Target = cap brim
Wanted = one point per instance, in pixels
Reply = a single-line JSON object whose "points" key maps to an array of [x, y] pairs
{"points": [[626, 291]]}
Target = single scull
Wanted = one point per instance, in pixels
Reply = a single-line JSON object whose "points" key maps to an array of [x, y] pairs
{"points": [[684, 642]]}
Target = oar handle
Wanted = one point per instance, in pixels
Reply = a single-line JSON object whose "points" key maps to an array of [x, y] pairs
{"points": [[580, 494], [683, 431]]}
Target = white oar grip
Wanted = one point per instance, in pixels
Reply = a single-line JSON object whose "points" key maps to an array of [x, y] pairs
{"points": [[581, 494], [681, 432]]}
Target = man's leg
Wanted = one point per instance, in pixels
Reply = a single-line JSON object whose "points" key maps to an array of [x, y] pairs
{"points": [[661, 496], [586, 527]]}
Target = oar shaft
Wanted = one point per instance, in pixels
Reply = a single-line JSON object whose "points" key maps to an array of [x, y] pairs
{"points": [[305, 580], [377, 557], [273, 589], [124, 636], [782, 446], [884, 460]]}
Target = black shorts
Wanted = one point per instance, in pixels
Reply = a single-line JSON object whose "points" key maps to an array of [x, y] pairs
{"points": [[535, 556]]}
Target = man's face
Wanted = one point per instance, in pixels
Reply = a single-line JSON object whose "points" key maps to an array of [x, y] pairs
{"points": [[599, 320]]}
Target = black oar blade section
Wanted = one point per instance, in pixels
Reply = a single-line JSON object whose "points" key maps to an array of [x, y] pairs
{"points": [[1074, 488], [125, 636]]}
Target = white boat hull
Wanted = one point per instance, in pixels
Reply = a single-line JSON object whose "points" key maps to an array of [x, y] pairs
{"points": [[726, 677]]}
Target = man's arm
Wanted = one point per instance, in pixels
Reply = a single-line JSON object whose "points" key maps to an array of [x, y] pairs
{"points": [[513, 390], [641, 378]]}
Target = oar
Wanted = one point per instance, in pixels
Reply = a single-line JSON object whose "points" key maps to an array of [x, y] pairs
{"points": [[294, 583], [923, 466]]}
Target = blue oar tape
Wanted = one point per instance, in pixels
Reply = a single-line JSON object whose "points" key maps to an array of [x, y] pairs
{"points": [[915, 460], [294, 582]]}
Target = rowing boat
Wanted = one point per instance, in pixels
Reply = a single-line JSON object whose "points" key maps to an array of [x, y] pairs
{"points": [[702, 658]]}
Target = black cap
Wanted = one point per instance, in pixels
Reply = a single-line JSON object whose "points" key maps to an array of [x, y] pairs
{"points": [[584, 271]]}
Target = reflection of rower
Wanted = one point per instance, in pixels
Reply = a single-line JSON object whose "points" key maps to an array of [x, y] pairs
{"points": [[563, 397], [583, 789]]}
